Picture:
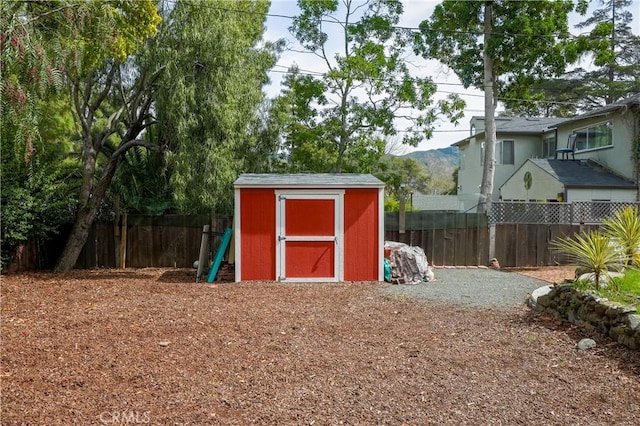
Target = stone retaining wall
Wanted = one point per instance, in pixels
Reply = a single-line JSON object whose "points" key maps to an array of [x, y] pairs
{"points": [[621, 323]]}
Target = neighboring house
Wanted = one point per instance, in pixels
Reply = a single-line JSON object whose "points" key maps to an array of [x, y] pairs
{"points": [[422, 202], [565, 180], [607, 137], [517, 140]]}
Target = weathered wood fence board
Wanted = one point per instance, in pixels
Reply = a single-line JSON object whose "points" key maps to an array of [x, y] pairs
{"points": [[172, 240], [530, 244], [447, 238], [99, 250], [454, 239], [152, 241]]}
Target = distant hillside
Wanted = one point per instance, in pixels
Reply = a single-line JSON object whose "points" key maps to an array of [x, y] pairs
{"points": [[439, 162]]}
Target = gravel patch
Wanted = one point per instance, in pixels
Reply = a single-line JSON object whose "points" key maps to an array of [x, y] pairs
{"points": [[480, 288]]}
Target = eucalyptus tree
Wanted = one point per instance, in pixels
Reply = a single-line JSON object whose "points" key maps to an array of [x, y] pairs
{"points": [[214, 67], [337, 116], [501, 47]]}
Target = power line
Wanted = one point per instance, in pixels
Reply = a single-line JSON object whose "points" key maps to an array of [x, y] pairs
{"points": [[447, 92], [398, 27]]}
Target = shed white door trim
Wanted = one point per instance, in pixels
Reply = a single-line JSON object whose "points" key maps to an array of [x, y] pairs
{"points": [[309, 228]]}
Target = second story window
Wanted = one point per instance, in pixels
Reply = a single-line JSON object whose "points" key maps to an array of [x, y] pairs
{"points": [[505, 154], [596, 136], [549, 147]]}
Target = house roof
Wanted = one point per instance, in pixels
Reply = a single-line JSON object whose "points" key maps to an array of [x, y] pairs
{"points": [[582, 174], [519, 125], [308, 180], [607, 109], [533, 125]]}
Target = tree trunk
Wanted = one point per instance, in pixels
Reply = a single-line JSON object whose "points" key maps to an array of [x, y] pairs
{"points": [[486, 189], [76, 240], [84, 219]]}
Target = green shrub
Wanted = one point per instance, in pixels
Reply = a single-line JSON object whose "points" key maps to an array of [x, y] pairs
{"points": [[593, 251], [624, 229]]}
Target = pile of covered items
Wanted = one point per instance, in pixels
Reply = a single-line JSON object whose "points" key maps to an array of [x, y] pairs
{"points": [[406, 264]]}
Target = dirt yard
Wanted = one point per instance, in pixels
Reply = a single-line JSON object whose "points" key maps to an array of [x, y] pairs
{"points": [[152, 347], [550, 274]]}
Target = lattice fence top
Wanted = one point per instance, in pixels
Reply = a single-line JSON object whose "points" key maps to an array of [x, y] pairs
{"points": [[577, 212]]}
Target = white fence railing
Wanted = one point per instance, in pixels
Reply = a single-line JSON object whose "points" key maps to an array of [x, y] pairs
{"points": [[577, 212]]}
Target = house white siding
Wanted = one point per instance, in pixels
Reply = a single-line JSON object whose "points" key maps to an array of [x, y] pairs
{"points": [[543, 186], [600, 194], [615, 157], [605, 137], [470, 173]]}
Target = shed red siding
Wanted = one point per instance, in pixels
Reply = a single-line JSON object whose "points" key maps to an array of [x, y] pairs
{"points": [[310, 259], [258, 234], [310, 217], [361, 235]]}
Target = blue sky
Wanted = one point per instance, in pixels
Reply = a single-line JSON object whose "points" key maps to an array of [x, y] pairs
{"points": [[415, 11]]}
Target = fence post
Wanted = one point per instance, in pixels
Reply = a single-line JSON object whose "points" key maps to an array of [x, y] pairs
{"points": [[492, 242], [123, 243], [203, 258]]}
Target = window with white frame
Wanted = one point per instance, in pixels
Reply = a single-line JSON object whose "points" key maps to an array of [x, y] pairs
{"points": [[506, 152], [595, 136], [482, 154], [549, 146]]}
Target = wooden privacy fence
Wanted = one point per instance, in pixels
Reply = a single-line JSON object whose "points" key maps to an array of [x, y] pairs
{"points": [[447, 238], [142, 241], [139, 241], [455, 239], [463, 239], [519, 245]]}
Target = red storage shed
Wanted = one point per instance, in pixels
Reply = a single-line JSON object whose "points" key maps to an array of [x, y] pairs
{"points": [[309, 227]]}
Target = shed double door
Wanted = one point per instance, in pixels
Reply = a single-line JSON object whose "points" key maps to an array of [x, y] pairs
{"points": [[309, 236]]}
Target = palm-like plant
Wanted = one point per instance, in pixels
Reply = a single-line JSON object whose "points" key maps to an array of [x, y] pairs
{"points": [[624, 229], [591, 250]]}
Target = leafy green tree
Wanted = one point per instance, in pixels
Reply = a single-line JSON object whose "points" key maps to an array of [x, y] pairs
{"points": [[339, 118], [110, 98], [211, 91], [38, 185], [616, 54], [402, 177], [612, 47], [501, 47], [35, 128], [141, 183], [453, 190]]}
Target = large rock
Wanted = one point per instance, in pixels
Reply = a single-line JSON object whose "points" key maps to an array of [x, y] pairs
{"points": [[537, 293], [586, 344]]}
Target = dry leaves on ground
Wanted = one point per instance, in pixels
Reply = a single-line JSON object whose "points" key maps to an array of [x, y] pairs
{"points": [[151, 346]]}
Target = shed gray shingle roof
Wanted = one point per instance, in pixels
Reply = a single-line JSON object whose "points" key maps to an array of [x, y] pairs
{"points": [[309, 180], [582, 174]]}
